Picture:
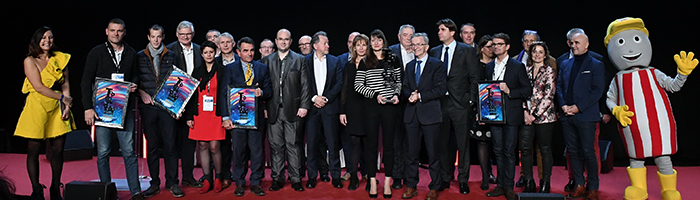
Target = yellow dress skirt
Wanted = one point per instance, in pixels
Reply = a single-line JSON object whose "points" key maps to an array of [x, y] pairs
{"points": [[41, 117]]}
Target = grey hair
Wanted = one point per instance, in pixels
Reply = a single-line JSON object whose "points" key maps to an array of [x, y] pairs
{"points": [[424, 35], [185, 24], [225, 34], [406, 26], [573, 32], [305, 36]]}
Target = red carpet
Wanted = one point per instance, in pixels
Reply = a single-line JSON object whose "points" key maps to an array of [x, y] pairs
{"points": [[612, 184]]}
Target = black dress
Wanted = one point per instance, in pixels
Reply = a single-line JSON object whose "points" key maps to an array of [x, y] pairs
{"points": [[352, 103]]}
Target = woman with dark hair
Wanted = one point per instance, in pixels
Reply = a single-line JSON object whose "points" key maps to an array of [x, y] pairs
{"points": [[204, 119], [481, 132], [46, 113], [380, 79], [540, 116], [352, 106]]}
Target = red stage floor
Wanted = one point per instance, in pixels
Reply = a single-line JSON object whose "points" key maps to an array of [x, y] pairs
{"points": [[612, 184]]}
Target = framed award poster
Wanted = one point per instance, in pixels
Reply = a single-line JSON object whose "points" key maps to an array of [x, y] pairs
{"points": [[491, 101], [174, 93], [110, 99], [242, 104]]}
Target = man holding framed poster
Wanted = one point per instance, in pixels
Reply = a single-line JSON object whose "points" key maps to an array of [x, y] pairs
{"points": [[515, 87], [246, 72]]}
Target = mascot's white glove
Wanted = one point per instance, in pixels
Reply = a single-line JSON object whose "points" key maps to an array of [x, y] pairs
{"points": [[623, 115], [686, 64]]}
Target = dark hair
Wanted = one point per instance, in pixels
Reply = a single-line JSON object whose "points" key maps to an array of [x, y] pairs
{"points": [[502, 36], [466, 24], [379, 34], [317, 35], [372, 61], [34, 48], [448, 23], [353, 52], [208, 44], [117, 21], [546, 53], [482, 43], [156, 27], [246, 40]]}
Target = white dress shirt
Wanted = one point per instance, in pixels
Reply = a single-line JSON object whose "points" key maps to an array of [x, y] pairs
{"points": [[450, 54], [500, 69], [189, 58], [406, 56], [320, 73]]}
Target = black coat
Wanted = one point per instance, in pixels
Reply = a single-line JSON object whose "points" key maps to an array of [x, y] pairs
{"points": [[99, 63], [520, 89]]}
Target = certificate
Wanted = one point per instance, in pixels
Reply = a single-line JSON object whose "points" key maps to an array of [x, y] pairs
{"points": [[174, 93], [491, 101], [242, 104], [110, 99]]}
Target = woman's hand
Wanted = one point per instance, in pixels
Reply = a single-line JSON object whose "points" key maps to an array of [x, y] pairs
{"points": [[381, 99], [190, 123]]}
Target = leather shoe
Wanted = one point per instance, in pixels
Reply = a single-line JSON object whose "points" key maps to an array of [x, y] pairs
{"points": [[176, 191], [570, 186], [297, 186], [240, 190], [545, 186], [410, 193], [151, 191], [225, 183], [276, 185], [579, 191], [484, 185], [397, 184], [354, 184], [464, 188], [138, 196], [530, 186], [445, 185], [337, 183], [592, 195], [325, 178], [498, 191], [311, 183], [257, 190], [432, 195], [191, 182], [510, 195], [521, 182]]}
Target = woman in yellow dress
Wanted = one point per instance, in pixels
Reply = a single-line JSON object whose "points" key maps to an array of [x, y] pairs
{"points": [[46, 113]]}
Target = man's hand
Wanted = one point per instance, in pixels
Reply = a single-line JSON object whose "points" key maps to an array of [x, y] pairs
{"points": [[133, 87], [573, 109], [258, 91], [145, 97], [344, 119], [265, 111], [228, 124], [414, 97], [302, 112], [504, 87], [90, 117], [190, 123], [529, 118], [606, 118], [320, 101]]}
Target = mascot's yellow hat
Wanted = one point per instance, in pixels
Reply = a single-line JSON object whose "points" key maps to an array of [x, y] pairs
{"points": [[623, 24]]}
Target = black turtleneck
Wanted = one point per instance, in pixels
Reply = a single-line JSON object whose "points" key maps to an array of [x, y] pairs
{"points": [[578, 60]]}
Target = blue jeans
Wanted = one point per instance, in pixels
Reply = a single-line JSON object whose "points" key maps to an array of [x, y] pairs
{"points": [[504, 138], [580, 143], [103, 138]]}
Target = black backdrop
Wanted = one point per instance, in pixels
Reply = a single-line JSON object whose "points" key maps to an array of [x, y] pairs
{"points": [[79, 26]]}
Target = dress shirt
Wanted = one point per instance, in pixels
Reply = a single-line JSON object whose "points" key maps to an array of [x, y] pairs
{"points": [[320, 73], [422, 66], [450, 54], [245, 68], [499, 69], [118, 54], [406, 56], [189, 58], [226, 62], [524, 58]]}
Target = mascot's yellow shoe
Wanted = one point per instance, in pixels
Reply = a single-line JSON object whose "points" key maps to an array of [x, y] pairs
{"points": [[668, 186], [638, 189]]}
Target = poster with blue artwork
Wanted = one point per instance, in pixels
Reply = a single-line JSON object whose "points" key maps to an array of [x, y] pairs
{"points": [[242, 105], [491, 101], [110, 99], [174, 93]]}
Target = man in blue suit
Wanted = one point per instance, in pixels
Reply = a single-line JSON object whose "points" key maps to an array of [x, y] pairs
{"points": [[246, 72], [515, 88], [580, 85], [423, 87], [326, 79]]}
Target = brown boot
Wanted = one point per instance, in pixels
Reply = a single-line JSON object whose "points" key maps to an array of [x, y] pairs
{"points": [[579, 191], [592, 195]]}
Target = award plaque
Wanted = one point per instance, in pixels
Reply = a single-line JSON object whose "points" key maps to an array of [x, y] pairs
{"points": [[110, 99], [174, 93], [242, 104], [491, 109]]}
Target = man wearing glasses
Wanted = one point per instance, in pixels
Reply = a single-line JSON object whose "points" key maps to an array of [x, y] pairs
{"points": [[266, 48], [187, 56], [515, 88], [305, 45], [286, 110]]}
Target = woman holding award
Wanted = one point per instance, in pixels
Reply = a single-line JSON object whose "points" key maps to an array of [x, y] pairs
{"points": [[204, 119], [46, 113]]}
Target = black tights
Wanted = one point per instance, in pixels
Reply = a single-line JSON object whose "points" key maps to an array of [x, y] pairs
{"points": [[33, 149], [484, 153]]}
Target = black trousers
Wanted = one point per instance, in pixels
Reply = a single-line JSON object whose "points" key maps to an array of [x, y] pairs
{"points": [[415, 133], [542, 134], [386, 116], [186, 148], [159, 127], [453, 136], [320, 125], [400, 145], [248, 144]]}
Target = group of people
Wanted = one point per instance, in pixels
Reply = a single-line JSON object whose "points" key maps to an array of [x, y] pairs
{"points": [[418, 96]]}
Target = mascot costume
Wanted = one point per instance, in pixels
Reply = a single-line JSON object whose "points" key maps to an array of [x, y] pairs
{"points": [[638, 99]]}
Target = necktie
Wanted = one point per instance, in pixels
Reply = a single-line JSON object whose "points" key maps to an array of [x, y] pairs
{"points": [[249, 75], [446, 60], [418, 71]]}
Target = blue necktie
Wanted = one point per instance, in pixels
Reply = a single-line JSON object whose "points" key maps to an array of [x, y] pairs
{"points": [[418, 71], [446, 59]]}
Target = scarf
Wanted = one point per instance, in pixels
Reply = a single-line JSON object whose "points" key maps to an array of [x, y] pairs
{"points": [[155, 54]]}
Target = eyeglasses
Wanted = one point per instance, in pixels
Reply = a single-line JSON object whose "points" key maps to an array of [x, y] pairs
{"points": [[498, 44], [186, 34], [266, 47], [417, 45], [304, 44]]}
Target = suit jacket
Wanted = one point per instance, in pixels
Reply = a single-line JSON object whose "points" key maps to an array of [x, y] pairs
{"points": [[431, 88], [220, 59], [295, 85], [464, 74], [233, 75], [176, 48], [520, 89], [343, 59], [608, 76], [334, 82], [587, 89]]}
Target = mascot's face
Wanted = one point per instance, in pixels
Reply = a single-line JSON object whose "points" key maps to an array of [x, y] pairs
{"points": [[629, 48]]}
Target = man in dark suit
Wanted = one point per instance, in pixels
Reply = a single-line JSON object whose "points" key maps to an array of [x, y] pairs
{"points": [[325, 79], [423, 87], [187, 57], [286, 110], [405, 53], [345, 57], [247, 140], [462, 73], [515, 88], [579, 87]]}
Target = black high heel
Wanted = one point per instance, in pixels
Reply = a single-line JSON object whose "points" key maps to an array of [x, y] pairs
{"points": [[376, 182], [55, 192], [38, 192], [354, 183]]}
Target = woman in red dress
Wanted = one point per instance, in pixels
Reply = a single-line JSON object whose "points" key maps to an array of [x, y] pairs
{"points": [[204, 119]]}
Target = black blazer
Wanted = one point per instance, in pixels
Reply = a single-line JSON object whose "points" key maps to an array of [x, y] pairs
{"points": [[464, 74], [520, 89], [234, 76], [199, 72], [295, 85], [220, 59], [431, 88], [588, 87], [176, 48], [334, 82]]}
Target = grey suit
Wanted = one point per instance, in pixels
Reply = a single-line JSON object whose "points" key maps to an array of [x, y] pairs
{"points": [[290, 85]]}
